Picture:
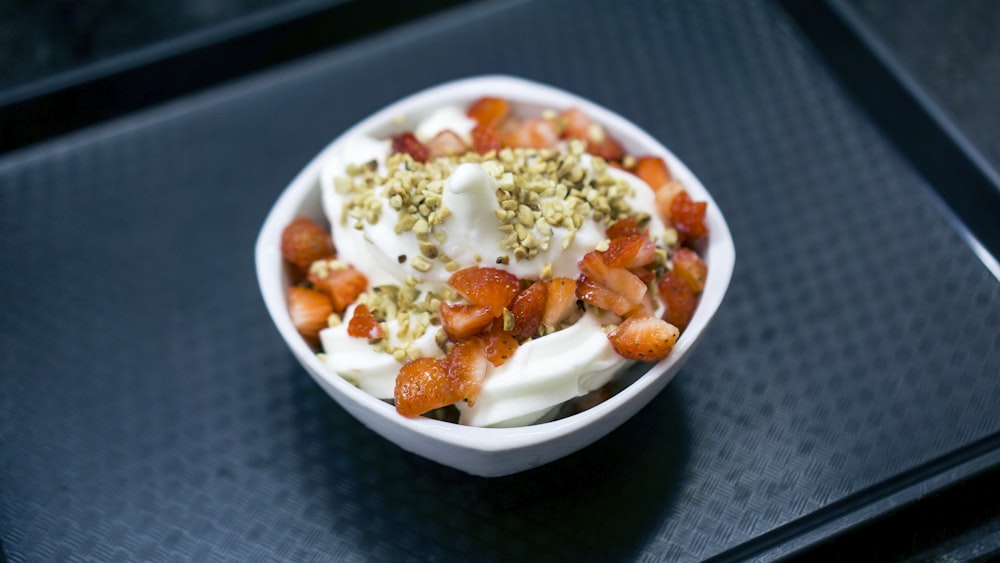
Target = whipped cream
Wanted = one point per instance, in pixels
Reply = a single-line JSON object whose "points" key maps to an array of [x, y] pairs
{"points": [[546, 371]]}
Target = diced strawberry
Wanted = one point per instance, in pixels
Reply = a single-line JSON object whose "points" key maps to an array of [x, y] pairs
{"points": [[561, 302], [653, 170], [531, 134], [364, 325], [488, 110], [664, 199], [599, 296], [679, 299], [633, 251], [500, 345], [690, 268], [309, 310], [645, 273], [618, 280], [303, 242], [491, 287], [446, 143], [343, 283], [467, 365], [623, 228], [528, 308], [578, 125], [688, 217], [408, 143], [646, 339], [485, 138], [645, 308], [423, 385], [463, 320]]}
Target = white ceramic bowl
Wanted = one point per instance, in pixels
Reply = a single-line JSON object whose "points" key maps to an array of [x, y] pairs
{"points": [[490, 451]]}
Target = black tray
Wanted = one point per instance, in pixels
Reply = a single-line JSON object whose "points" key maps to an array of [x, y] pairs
{"points": [[149, 410]]}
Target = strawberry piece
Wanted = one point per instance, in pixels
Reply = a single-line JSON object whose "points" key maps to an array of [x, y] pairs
{"points": [[500, 345], [463, 320], [688, 217], [645, 308], [531, 134], [528, 308], [488, 110], [341, 282], [485, 138], [633, 251], [690, 268], [303, 242], [446, 143], [408, 143], [491, 287], [653, 170], [364, 325], [618, 280], [664, 199], [646, 274], [597, 295], [578, 125], [467, 365], [646, 339], [679, 299], [561, 301], [309, 310], [623, 228], [423, 385]]}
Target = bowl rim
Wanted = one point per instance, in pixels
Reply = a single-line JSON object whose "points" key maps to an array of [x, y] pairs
{"points": [[719, 254]]}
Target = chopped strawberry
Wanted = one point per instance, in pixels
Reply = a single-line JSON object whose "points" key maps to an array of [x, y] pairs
{"points": [[597, 295], [488, 110], [303, 242], [623, 228], [678, 297], [528, 308], [423, 385], [646, 339], [467, 364], [364, 325], [446, 143], [688, 217], [646, 274], [463, 320], [664, 199], [578, 125], [618, 280], [561, 301], [309, 310], [690, 268], [340, 281], [633, 251], [485, 138], [653, 170], [531, 134], [491, 287], [645, 308], [500, 345], [408, 143]]}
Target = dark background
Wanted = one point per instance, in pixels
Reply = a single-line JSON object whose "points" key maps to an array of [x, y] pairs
{"points": [[845, 401]]}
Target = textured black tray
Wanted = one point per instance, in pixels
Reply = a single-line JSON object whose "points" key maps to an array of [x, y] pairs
{"points": [[149, 410]]}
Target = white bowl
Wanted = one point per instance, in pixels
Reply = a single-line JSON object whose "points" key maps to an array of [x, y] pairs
{"points": [[490, 452]]}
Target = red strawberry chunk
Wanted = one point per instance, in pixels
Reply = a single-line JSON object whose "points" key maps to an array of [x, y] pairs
{"points": [[491, 287], [623, 228], [599, 296], [679, 299], [341, 282], [485, 138], [618, 280], [531, 134], [690, 268], [500, 345], [303, 242], [467, 365], [561, 301], [408, 143], [364, 325], [688, 217], [446, 143], [528, 308], [578, 125], [423, 385], [488, 110], [652, 170], [646, 339], [309, 310], [463, 320], [633, 251]]}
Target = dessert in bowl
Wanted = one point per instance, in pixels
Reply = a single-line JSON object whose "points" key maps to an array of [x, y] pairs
{"points": [[493, 273]]}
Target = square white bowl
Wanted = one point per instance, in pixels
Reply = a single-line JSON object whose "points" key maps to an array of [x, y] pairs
{"points": [[490, 452]]}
